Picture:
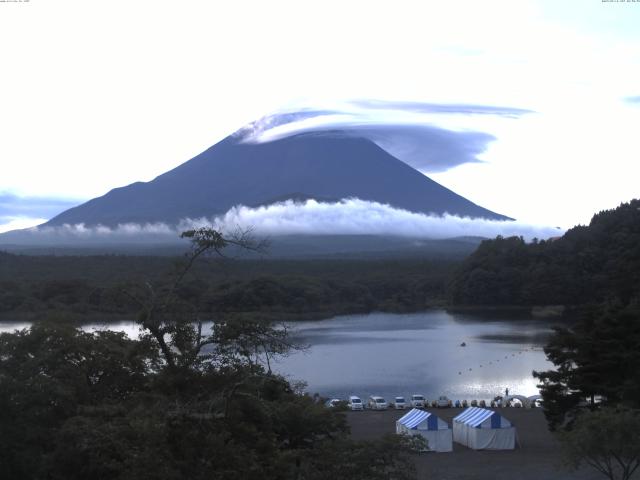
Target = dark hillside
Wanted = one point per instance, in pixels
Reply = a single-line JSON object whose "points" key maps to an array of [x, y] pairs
{"points": [[589, 264]]}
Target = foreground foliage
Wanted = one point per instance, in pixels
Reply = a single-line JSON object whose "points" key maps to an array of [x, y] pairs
{"points": [[593, 397], [597, 363], [178, 403], [76, 405], [606, 440]]}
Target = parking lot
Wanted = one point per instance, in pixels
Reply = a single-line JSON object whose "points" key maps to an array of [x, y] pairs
{"points": [[537, 457]]}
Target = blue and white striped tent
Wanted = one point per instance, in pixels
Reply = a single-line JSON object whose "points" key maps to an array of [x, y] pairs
{"points": [[435, 430], [480, 428]]}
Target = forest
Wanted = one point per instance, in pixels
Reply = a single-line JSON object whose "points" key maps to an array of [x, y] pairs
{"points": [[92, 286], [587, 265]]}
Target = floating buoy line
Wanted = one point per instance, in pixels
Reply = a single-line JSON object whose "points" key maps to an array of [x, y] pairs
{"points": [[520, 352]]}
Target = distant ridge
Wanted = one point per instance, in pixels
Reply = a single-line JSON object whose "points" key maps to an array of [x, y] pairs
{"points": [[326, 166]]}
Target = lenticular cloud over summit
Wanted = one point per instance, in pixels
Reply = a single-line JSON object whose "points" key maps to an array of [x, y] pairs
{"points": [[410, 131]]}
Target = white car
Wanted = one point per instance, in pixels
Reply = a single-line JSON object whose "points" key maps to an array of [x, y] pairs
{"points": [[400, 403], [417, 401], [377, 403], [332, 403], [443, 402], [354, 403]]}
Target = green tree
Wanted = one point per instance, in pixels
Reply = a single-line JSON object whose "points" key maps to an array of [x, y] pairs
{"points": [[606, 440], [48, 373], [598, 357], [170, 320], [388, 458]]}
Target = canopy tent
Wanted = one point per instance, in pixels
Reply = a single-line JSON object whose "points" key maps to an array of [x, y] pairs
{"points": [[435, 430], [483, 429]]}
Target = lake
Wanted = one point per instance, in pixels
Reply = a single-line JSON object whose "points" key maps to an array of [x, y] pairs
{"points": [[401, 354]]}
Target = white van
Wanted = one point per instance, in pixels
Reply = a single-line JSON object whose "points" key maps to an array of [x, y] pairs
{"points": [[417, 401], [377, 403], [355, 403]]}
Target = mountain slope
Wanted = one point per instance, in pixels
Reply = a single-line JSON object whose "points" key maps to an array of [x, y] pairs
{"points": [[328, 165]]}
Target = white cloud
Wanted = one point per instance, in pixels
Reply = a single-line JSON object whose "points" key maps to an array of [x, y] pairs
{"points": [[15, 223], [354, 216], [123, 231], [347, 217]]}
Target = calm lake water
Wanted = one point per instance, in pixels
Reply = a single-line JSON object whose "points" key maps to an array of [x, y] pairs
{"points": [[400, 354], [388, 354]]}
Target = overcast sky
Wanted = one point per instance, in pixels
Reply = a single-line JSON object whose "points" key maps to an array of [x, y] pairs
{"points": [[541, 99]]}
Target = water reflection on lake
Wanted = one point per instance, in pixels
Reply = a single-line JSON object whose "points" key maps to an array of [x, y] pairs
{"points": [[400, 354], [389, 355], [127, 326]]}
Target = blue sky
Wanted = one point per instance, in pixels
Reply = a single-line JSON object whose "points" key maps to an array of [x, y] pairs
{"points": [[97, 95]]}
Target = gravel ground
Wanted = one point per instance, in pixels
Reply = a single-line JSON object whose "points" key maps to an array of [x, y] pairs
{"points": [[537, 457]]}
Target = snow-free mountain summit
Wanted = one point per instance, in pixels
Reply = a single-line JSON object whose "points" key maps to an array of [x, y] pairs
{"points": [[327, 166]]}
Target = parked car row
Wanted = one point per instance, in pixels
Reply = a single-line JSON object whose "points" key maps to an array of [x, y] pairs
{"points": [[376, 402]]}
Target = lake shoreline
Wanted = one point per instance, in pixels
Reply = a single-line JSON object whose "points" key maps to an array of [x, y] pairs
{"points": [[544, 312]]}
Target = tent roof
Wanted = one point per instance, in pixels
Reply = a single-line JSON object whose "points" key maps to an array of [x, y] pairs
{"points": [[474, 416], [414, 418]]}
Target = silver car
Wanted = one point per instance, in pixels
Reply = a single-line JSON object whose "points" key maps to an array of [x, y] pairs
{"points": [[400, 403], [332, 403]]}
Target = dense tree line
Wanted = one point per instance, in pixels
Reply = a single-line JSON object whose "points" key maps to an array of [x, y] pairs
{"points": [[588, 264], [280, 288]]}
